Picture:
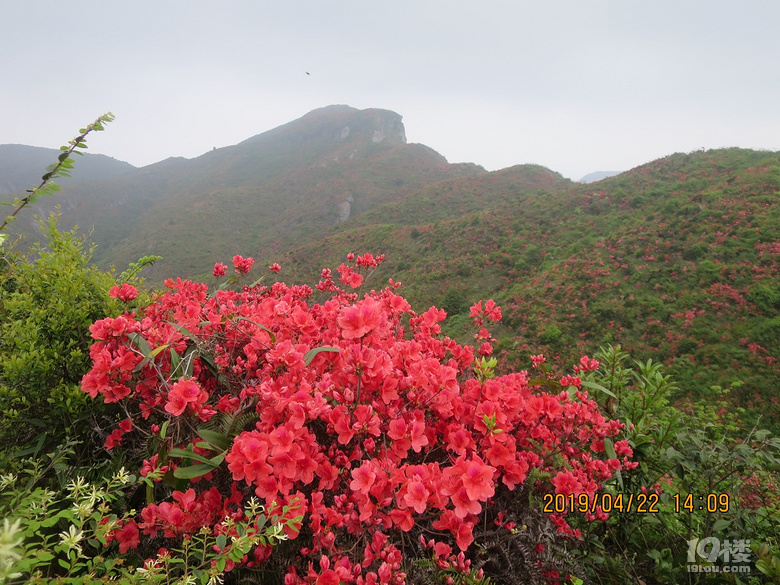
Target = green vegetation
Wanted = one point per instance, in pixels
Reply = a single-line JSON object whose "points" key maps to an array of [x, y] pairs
{"points": [[676, 260], [668, 275], [46, 307]]}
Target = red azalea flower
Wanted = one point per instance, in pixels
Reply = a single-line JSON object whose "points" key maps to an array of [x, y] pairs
{"points": [[360, 319], [128, 536], [242, 265], [125, 293], [219, 270]]}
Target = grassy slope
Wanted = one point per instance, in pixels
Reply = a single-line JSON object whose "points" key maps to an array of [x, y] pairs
{"points": [[676, 260]]}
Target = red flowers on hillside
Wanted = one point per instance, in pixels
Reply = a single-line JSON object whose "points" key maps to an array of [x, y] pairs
{"points": [[368, 424]]}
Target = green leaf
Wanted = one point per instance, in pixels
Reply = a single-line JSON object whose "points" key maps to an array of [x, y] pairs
{"points": [[186, 453], [762, 434], [140, 343], [217, 439], [545, 382], [156, 351], [175, 360], [183, 330], [189, 364], [164, 429], [609, 448], [150, 358], [599, 387], [720, 524], [221, 541], [313, 352], [263, 327], [193, 471], [208, 359], [764, 567]]}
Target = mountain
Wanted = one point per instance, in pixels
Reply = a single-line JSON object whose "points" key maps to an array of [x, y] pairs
{"points": [[598, 176], [21, 167], [284, 187], [676, 260]]}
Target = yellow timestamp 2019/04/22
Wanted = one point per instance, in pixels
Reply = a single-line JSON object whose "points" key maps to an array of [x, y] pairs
{"points": [[640, 503]]}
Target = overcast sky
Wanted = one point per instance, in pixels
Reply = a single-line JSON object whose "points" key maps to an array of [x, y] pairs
{"points": [[577, 86]]}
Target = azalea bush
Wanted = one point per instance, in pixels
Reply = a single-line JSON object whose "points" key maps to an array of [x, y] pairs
{"points": [[389, 452], [84, 532]]}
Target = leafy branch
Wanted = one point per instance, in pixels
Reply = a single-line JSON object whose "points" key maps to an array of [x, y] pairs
{"points": [[61, 168]]}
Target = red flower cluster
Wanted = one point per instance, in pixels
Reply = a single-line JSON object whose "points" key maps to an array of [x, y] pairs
{"points": [[242, 265], [125, 293], [367, 426], [219, 270]]}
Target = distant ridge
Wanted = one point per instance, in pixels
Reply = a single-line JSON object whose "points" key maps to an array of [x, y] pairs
{"points": [[283, 188], [21, 167], [598, 176]]}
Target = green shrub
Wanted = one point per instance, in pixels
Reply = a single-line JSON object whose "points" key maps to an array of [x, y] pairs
{"points": [[550, 334], [46, 307], [766, 298], [454, 301], [695, 251], [702, 448], [687, 346], [767, 333]]}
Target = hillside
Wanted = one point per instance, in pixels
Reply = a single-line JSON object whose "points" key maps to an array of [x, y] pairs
{"points": [[284, 187], [21, 167], [677, 260]]}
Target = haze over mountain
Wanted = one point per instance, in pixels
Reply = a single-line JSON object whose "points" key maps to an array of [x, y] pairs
{"points": [[598, 176], [21, 167], [677, 260], [290, 184]]}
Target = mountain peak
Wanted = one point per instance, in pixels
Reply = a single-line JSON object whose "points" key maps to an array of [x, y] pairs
{"points": [[342, 124]]}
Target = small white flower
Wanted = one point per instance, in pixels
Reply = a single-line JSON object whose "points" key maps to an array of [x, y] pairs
{"points": [[71, 538], [253, 507], [76, 486], [121, 476], [9, 540], [6, 480], [82, 509]]}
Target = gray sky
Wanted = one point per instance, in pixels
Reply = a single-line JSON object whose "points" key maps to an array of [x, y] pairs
{"points": [[577, 86]]}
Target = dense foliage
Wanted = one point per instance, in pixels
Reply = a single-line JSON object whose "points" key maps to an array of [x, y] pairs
{"points": [[275, 434], [46, 307]]}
